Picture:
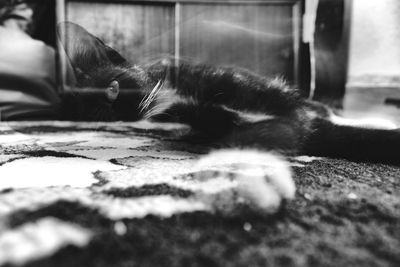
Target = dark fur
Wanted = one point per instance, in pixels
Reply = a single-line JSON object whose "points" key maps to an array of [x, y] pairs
{"points": [[215, 98]]}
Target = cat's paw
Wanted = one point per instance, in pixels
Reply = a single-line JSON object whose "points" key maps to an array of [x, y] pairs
{"points": [[261, 180]]}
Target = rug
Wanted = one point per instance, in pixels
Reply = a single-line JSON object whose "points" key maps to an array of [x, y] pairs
{"points": [[125, 194]]}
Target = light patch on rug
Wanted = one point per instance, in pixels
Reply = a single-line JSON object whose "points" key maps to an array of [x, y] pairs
{"points": [[143, 124], [5, 158], [40, 239], [109, 206], [83, 139], [14, 139], [172, 174], [211, 186], [163, 206], [128, 155], [103, 154], [33, 198], [175, 173], [115, 141], [306, 159], [148, 171], [298, 165], [52, 171]]}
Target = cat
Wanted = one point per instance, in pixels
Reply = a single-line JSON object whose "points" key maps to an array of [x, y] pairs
{"points": [[235, 108]]}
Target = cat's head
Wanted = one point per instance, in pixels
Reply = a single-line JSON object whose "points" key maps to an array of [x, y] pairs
{"points": [[107, 86]]}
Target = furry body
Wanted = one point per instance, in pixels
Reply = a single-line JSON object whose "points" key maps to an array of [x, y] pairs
{"points": [[230, 107]]}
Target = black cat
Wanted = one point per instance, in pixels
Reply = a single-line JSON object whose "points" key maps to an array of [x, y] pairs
{"points": [[231, 107]]}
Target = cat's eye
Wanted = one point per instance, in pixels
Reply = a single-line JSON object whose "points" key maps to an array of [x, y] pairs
{"points": [[112, 91]]}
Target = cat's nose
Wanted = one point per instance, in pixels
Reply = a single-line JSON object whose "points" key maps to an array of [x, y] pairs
{"points": [[112, 91]]}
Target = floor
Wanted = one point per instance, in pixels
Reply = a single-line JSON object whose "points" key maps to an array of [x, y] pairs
{"points": [[128, 194]]}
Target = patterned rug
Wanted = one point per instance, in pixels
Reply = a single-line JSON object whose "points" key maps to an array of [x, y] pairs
{"points": [[128, 194]]}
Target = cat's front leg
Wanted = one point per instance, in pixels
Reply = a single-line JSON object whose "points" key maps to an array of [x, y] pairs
{"points": [[210, 120]]}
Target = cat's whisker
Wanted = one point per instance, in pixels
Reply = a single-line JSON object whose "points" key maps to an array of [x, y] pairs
{"points": [[148, 116], [156, 110], [143, 100], [154, 93], [147, 100], [150, 113]]}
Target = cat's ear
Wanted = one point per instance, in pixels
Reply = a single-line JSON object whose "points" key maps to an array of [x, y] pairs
{"points": [[84, 50]]}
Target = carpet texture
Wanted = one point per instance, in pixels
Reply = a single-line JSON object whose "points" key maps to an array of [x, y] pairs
{"points": [[125, 194]]}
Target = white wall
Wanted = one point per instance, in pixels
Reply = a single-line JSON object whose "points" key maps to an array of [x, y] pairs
{"points": [[375, 40]]}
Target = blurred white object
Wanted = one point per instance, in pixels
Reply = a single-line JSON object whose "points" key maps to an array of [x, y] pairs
{"points": [[27, 76], [263, 179]]}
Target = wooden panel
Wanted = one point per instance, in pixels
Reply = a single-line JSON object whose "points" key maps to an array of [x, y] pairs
{"points": [[262, 35], [137, 31], [257, 37]]}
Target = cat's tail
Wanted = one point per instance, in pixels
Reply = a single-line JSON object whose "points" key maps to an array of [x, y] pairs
{"points": [[354, 143]]}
